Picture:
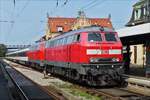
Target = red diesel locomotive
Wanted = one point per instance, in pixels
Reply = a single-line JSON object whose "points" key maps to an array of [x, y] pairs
{"points": [[91, 54]]}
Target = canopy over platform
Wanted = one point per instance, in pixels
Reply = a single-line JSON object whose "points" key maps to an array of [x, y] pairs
{"points": [[139, 34]]}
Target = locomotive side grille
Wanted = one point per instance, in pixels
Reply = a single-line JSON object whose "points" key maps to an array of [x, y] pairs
{"points": [[105, 65], [104, 59]]}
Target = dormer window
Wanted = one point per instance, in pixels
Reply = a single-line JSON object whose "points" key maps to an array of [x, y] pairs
{"points": [[59, 29], [144, 11], [137, 14], [141, 13]]}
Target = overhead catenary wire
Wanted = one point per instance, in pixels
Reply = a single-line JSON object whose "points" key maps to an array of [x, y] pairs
{"points": [[13, 21], [95, 4], [85, 6], [88, 6], [65, 3], [23, 8], [14, 2], [57, 3]]}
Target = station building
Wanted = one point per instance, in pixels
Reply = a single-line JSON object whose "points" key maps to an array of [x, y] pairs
{"points": [[136, 35], [140, 16]]}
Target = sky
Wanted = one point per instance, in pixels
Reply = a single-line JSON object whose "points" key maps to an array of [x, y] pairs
{"points": [[24, 21]]}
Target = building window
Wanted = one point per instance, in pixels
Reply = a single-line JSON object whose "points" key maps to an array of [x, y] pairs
{"points": [[59, 29], [135, 54], [144, 11], [137, 14]]}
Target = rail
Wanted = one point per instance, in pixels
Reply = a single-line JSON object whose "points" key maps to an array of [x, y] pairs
{"points": [[21, 94]]}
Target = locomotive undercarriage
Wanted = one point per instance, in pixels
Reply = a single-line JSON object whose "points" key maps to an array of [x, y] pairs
{"points": [[92, 74], [101, 77]]}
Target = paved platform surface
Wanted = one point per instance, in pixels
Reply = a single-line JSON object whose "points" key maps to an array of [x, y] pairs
{"points": [[137, 70], [4, 93]]}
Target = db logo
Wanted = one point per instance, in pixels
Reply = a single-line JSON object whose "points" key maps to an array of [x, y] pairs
{"points": [[105, 52]]}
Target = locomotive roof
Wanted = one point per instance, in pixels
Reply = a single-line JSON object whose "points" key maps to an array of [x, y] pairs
{"points": [[92, 28], [86, 29]]}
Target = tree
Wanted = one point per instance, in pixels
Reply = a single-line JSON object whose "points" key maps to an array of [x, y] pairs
{"points": [[3, 50]]}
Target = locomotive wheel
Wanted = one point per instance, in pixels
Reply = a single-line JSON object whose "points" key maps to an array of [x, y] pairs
{"points": [[90, 80], [77, 77], [73, 74]]}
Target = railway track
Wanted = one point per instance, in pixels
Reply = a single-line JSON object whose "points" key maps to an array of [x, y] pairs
{"points": [[23, 88], [114, 93], [19, 92], [120, 94], [136, 89]]}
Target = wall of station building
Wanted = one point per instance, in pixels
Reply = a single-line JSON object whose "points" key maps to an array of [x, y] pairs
{"points": [[140, 55], [137, 54], [148, 55]]}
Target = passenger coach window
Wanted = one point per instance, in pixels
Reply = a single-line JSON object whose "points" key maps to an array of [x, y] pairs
{"points": [[70, 39], [92, 37], [110, 37], [76, 38], [65, 40]]}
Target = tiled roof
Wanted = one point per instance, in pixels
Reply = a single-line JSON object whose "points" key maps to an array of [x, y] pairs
{"points": [[67, 23]]}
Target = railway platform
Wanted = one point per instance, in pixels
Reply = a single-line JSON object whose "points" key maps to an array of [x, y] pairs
{"points": [[137, 71], [4, 92]]}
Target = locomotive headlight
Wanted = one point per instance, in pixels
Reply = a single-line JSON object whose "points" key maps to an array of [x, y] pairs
{"points": [[93, 60], [115, 59]]}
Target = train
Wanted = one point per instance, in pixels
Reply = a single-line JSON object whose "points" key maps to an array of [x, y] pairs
{"points": [[91, 55]]}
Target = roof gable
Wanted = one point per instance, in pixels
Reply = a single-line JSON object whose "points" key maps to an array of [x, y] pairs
{"points": [[66, 23]]}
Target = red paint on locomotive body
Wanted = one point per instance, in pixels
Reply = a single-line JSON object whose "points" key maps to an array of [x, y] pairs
{"points": [[104, 48], [78, 51], [37, 52]]}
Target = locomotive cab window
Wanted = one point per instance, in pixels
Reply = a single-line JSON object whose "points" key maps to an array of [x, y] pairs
{"points": [[110, 37], [94, 37]]}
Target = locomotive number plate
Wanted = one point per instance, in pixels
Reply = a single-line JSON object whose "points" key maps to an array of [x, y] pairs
{"points": [[105, 52]]}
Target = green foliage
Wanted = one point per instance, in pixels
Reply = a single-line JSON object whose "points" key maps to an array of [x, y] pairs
{"points": [[76, 92], [3, 50]]}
